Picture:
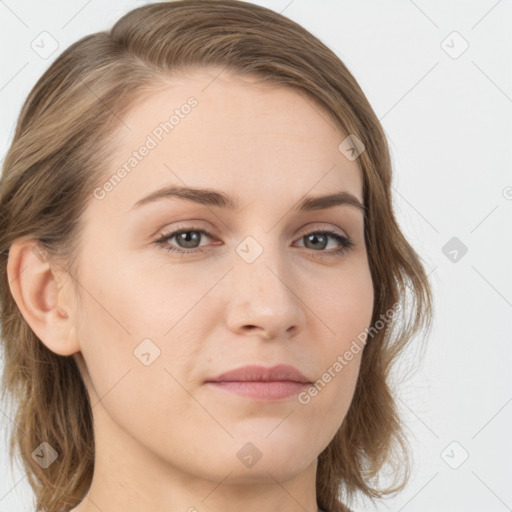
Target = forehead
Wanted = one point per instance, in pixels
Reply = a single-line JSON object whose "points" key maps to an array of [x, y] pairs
{"points": [[230, 132]]}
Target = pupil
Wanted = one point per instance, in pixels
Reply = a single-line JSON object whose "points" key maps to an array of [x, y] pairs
{"points": [[187, 238], [315, 239]]}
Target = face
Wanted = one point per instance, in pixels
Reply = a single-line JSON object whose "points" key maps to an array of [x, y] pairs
{"points": [[178, 290]]}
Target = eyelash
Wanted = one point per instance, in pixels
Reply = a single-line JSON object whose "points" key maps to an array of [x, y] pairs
{"points": [[346, 243]]}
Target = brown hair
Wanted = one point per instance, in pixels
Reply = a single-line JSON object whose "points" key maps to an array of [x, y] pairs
{"points": [[60, 153]]}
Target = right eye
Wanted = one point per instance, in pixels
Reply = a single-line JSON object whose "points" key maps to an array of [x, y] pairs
{"points": [[186, 236]]}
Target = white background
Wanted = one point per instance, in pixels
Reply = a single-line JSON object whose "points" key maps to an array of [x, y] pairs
{"points": [[449, 125]]}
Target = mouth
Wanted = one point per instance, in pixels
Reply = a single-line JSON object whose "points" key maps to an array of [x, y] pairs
{"points": [[261, 383], [263, 391]]}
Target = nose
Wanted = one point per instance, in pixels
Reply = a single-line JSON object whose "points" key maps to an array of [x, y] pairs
{"points": [[265, 299]]}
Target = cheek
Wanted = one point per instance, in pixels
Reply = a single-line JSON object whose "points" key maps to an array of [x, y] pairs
{"points": [[127, 369], [106, 347], [157, 297], [345, 306], [327, 401], [132, 328]]}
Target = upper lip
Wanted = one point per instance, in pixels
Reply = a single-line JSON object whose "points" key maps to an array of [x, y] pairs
{"points": [[280, 372]]}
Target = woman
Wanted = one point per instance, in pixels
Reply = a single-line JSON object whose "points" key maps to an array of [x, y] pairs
{"points": [[204, 284]]}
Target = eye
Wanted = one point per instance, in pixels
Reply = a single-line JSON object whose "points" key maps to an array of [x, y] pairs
{"points": [[188, 241], [319, 240], [187, 238]]}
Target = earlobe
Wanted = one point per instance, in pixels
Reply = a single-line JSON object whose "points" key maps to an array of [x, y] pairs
{"points": [[40, 298]]}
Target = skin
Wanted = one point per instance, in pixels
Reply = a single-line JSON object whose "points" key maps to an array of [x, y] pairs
{"points": [[164, 439]]}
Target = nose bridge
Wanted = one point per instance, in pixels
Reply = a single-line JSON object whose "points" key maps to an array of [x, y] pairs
{"points": [[261, 264], [264, 296]]}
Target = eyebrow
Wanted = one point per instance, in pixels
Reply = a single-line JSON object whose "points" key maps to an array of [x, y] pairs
{"points": [[210, 197]]}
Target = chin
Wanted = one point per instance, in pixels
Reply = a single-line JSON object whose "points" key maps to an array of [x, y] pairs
{"points": [[251, 458], [267, 472]]}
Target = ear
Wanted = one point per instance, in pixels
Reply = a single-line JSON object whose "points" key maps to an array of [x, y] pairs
{"points": [[43, 300]]}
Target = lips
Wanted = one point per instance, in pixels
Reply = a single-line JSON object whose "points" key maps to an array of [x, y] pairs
{"points": [[256, 373], [260, 383]]}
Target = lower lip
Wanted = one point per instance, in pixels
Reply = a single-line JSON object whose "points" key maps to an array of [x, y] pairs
{"points": [[266, 391]]}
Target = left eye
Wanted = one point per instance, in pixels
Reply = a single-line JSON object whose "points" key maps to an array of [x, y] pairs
{"points": [[188, 241]]}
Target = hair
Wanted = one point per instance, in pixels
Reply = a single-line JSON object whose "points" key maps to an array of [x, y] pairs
{"points": [[61, 151]]}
